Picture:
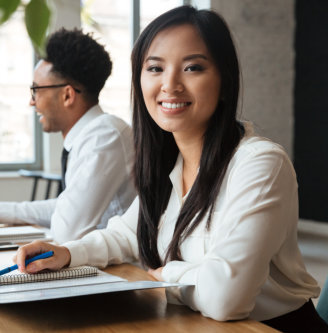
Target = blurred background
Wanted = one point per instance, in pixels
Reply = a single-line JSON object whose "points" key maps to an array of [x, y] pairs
{"points": [[283, 51]]}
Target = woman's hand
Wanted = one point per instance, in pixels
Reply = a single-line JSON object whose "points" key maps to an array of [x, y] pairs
{"points": [[61, 257], [156, 273]]}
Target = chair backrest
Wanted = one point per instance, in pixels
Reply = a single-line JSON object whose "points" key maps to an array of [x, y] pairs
{"points": [[36, 175], [322, 306]]}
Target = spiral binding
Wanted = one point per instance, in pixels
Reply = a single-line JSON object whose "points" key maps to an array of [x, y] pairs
{"points": [[66, 273]]}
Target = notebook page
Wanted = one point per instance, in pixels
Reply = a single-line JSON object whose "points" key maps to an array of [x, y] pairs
{"points": [[24, 234], [27, 231]]}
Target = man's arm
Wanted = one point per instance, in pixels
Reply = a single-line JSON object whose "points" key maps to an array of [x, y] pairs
{"points": [[36, 212]]}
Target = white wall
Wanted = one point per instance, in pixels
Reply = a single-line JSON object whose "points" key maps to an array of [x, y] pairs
{"points": [[15, 188], [65, 14], [264, 35]]}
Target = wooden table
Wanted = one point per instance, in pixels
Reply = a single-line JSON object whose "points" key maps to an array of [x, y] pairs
{"points": [[129, 311]]}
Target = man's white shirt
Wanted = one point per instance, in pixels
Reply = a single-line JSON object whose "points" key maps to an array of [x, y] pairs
{"points": [[98, 180]]}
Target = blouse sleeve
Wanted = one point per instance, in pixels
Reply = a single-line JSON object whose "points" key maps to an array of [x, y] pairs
{"points": [[260, 209]]}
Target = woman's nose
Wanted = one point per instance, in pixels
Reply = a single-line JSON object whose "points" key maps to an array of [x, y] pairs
{"points": [[172, 83]]}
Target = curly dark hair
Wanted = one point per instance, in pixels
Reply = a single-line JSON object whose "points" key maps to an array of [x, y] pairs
{"points": [[78, 57]]}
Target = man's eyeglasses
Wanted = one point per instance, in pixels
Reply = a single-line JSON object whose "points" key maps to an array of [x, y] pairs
{"points": [[33, 89]]}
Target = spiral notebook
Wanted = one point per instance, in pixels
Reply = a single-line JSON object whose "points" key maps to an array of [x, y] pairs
{"points": [[16, 287], [15, 277]]}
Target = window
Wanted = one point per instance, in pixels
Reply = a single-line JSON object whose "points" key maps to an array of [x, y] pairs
{"points": [[111, 23], [18, 145], [150, 9]]}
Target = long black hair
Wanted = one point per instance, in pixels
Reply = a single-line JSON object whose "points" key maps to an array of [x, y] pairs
{"points": [[156, 150]]}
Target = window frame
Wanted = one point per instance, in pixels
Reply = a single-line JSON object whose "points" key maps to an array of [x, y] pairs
{"points": [[38, 144]]}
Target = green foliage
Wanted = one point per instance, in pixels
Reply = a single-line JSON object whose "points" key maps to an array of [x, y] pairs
{"points": [[7, 7], [37, 19]]}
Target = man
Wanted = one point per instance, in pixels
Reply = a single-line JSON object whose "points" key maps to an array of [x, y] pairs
{"points": [[97, 183]]}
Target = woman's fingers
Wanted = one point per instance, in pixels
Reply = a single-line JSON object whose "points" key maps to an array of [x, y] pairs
{"points": [[156, 273], [28, 251], [60, 258]]}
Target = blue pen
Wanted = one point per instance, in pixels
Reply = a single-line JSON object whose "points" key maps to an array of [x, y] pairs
{"points": [[27, 261]]}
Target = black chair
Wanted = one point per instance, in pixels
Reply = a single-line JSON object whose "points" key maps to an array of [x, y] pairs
{"points": [[36, 175]]}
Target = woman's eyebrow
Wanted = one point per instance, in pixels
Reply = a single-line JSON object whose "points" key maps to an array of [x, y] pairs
{"points": [[195, 56], [154, 58], [188, 57]]}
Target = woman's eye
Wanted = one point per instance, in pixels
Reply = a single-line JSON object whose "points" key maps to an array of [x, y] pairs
{"points": [[193, 68], [154, 69]]}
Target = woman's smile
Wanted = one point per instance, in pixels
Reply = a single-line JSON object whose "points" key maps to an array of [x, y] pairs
{"points": [[173, 107]]}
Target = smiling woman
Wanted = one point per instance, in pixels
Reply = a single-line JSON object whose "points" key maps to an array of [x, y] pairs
{"points": [[217, 205]]}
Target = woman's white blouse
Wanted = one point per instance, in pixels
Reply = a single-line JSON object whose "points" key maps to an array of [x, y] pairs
{"points": [[248, 263]]}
